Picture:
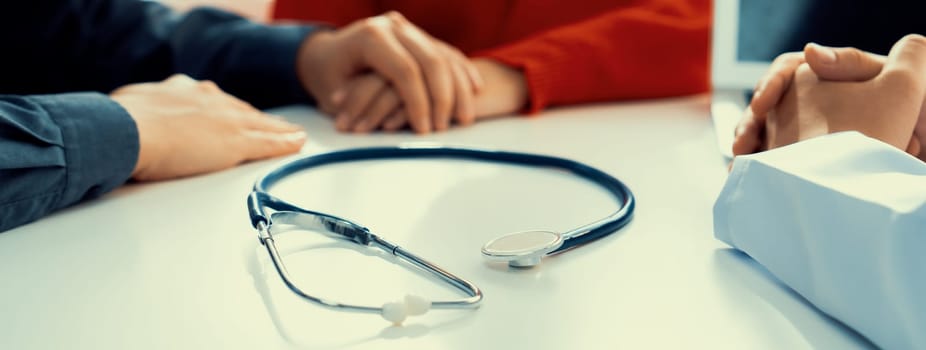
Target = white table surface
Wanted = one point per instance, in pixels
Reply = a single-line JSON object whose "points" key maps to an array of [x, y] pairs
{"points": [[177, 265]]}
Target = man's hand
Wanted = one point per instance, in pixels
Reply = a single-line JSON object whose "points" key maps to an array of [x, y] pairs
{"points": [[186, 127], [426, 73], [885, 107], [504, 92], [833, 64]]}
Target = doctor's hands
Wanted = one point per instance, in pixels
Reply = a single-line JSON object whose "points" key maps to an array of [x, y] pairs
{"points": [[188, 127], [504, 91], [772, 121], [433, 81]]}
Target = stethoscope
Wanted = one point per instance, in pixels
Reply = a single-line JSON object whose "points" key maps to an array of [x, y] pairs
{"points": [[519, 249]]}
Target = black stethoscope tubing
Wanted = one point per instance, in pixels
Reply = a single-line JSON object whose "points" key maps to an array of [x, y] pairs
{"points": [[261, 199]]}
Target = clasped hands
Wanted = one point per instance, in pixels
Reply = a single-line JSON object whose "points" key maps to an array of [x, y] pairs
{"points": [[408, 78], [377, 73], [824, 90]]}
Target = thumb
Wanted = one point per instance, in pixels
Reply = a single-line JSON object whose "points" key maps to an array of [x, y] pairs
{"points": [[842, 63], [905, 67], [903, 81]]}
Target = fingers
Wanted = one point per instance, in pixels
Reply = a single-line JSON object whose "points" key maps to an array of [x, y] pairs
{"points": [[464, 101], [216, 131], [842, 63], [775, 83], [435, 82], [262, 144], [384, 104], [458, 58], [379, 101], [425, 72], [388, 57], [905, 67], [749, 134], [361, 92], [475, 78], [467, 83], [395, 121], [434, 66], [903, 80], [265, 136]]}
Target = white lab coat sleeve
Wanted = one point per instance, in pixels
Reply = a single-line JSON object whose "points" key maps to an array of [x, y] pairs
{"points": [[841, 219]]}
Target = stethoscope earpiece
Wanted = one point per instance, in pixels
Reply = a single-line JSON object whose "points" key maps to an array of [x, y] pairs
{"points": [[411, 305], [522, 249]]}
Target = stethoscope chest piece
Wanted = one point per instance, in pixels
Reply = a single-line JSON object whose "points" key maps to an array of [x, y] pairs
{"points": [[522, 249]]}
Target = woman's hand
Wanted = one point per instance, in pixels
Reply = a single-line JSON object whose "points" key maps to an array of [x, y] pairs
{"points": [[373, 104], [368, 102], [428, 76]]}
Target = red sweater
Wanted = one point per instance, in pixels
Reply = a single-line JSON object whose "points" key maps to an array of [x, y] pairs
{"points": [[571, 51]]}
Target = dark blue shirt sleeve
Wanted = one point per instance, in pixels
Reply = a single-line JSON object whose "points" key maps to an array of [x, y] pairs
{"points": [[56, 150], [58, 147], [53, 46], [254, 62]]}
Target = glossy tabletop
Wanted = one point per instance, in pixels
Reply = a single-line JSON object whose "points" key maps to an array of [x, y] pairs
{"points": [[177, 265]]}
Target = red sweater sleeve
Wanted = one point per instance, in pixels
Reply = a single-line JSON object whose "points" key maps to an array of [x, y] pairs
{"points": [[657, 49], [338, 13]]}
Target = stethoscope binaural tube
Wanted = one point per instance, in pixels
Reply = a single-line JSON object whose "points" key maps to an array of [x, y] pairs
{"points": [[575, 237], [283, 212]]}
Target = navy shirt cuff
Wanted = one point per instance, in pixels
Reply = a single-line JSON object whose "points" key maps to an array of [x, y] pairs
{"points": [[259, 62], [100, 142], [276, 50]]}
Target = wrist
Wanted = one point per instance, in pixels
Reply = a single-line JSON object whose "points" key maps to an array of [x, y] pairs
{"points": [[143, 159], [309, 57], [505, 90]]}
